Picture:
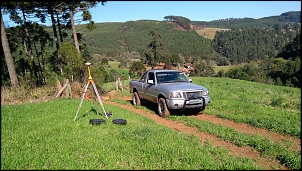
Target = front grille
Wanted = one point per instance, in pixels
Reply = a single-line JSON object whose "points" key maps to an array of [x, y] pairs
{"points": [[192, 95]]}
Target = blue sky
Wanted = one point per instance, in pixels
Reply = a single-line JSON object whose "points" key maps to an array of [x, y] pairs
{"points": [[122, 11]]}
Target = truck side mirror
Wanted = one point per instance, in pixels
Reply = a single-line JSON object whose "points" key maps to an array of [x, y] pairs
{"points": [[150, 81], [189, 80]]}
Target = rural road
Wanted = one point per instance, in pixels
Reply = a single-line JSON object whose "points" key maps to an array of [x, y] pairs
{"points": [[233, 149]]}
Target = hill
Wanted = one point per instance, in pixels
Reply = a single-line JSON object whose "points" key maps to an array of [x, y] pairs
{"points": [[285, 20], [130, 39]]}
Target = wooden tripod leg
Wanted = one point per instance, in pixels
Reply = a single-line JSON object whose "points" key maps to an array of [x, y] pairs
{"points": [[85, 89]]}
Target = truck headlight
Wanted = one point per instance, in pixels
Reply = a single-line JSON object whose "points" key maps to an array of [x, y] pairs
{"points": [[205, 93], [175, 95]]}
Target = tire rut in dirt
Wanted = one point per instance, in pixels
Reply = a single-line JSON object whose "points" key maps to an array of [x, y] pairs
{"points": [[233, 149], [248, 129]]}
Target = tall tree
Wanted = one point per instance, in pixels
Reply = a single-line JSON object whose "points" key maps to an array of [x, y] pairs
{"points": [[51, 11], [154, 46], [74, 31], [8, 56], [20, 13], [83, 6], [292, 49]]}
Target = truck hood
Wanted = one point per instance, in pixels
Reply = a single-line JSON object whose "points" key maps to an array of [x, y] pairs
{"points": [[181, 86]]}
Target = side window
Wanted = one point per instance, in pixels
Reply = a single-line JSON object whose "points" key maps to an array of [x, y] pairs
{"points": [[143, 78], [151, 78]]}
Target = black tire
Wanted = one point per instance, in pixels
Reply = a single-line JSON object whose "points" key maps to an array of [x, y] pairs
{"points": [[135, 99], [202, 109], [162, 108], [96, 121], [198, 111], [119, 121]]}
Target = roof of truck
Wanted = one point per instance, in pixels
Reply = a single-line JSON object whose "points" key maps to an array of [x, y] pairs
{"points": [[164, 70]]}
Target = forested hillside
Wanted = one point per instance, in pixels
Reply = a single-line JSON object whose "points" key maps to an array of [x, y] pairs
{"points": [[251, 43], [41, 54], [257, 47], [285, 20], [120, 39]]}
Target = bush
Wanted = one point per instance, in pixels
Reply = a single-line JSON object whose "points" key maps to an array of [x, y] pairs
{"points": [[137, 69]]}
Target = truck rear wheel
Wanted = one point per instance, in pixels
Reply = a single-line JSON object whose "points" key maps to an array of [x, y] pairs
{"points": [[135, 99], [163, 110]]}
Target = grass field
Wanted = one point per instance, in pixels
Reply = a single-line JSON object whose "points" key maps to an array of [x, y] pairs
{"points": [[224, 68], [44, 136], [113, 64], [209, 32]]}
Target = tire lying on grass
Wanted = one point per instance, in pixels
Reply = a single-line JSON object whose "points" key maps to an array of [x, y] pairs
{"points": [[119, 121], [96, 121]]}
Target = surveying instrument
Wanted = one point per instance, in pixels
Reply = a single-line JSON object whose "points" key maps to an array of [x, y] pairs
{"points": [[90, 81]]}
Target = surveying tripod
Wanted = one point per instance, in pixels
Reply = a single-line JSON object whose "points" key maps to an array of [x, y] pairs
{"points": [[90, 81]]}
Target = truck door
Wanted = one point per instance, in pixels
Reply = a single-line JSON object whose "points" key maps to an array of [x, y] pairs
{"points": [[140, 88], [149, 87]]}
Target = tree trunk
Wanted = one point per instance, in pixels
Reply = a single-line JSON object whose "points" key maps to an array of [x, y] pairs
{"points": [[50, 10], [74, 32], [8, 56], [59, 26], [28, 48], [53, 22], [40, 78]]}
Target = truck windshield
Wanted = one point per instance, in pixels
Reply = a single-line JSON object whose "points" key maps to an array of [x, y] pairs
{"points": [[170, 77]]}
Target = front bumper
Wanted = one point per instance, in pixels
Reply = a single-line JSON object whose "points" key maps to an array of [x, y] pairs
{"points": [[188, 103]]}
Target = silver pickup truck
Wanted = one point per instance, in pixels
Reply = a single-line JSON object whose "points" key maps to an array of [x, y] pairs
{"points": [[170, 89]]}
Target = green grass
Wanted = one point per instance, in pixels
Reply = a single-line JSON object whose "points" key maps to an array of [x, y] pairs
{"points": [[123, 72], [44, 136], [276, 108], [113, 64], [265, 146], [209, 32], [224, 68], [112, 86]]}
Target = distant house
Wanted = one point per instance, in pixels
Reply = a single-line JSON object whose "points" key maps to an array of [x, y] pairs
{"points": [[185, 72], [188, 65], [188, 69], [159, 65]]}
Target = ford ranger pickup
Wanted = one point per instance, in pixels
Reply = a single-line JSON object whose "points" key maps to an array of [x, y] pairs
{"points": [[170, 90]]}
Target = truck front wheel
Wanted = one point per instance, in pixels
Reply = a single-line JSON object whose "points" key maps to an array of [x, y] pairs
{"points": [[135, 99], [199, 110], [163, 110]]}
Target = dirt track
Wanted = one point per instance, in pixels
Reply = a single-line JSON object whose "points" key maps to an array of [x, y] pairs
{"points": [[233, 149]]}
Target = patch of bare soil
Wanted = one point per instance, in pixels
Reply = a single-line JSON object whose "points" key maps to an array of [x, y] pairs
{"points": [[178, 27], [265, 163], [195, 27]]}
